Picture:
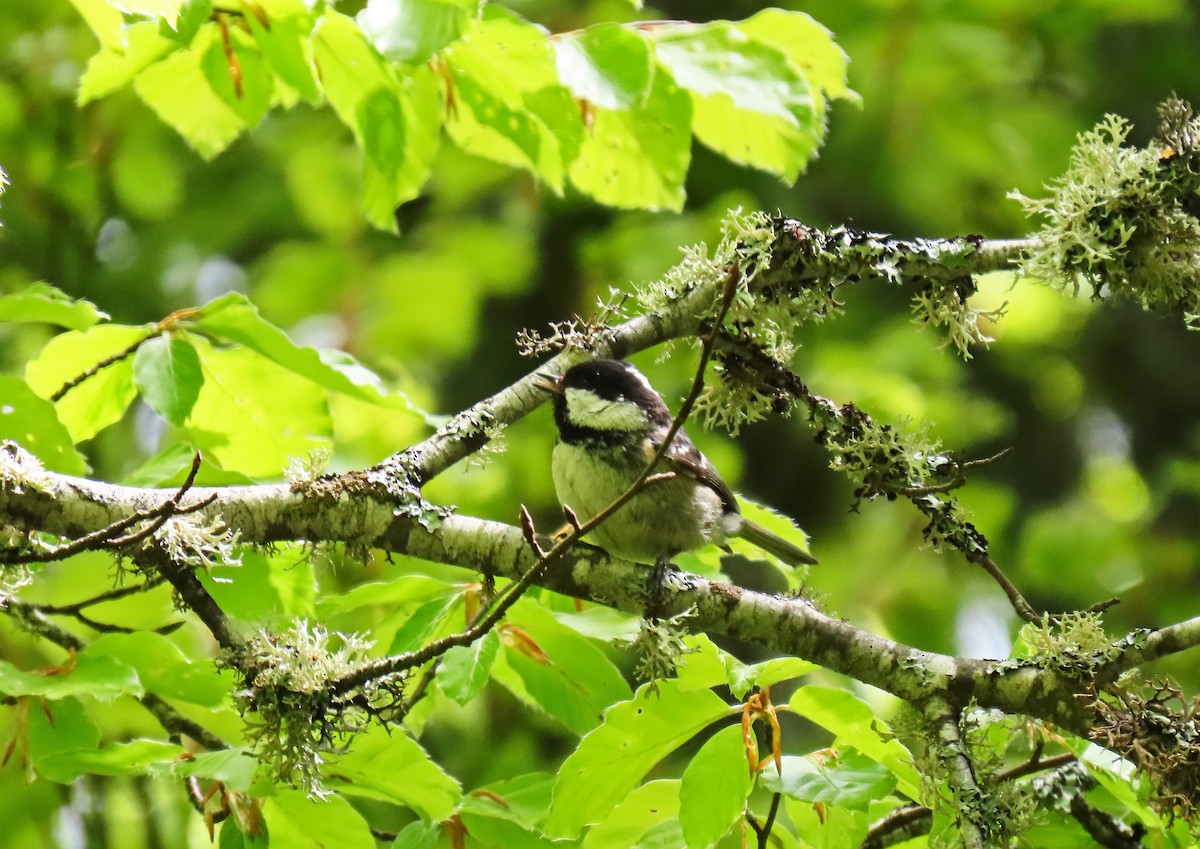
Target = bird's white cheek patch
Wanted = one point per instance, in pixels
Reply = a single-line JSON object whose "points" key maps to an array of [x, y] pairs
{"points": [[587, 409]]}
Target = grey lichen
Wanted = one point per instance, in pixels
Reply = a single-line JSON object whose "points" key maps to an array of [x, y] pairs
{"points": [[396, 476]]}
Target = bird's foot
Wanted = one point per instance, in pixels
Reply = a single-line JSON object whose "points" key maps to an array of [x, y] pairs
{"points": [[656, 588]]}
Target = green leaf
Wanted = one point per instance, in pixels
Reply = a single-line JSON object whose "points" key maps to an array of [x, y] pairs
{"points": [[179, 92], [808, 46], [578, 683], [508, 813], [33, 424], [287, 47], [608, 65], [102, 398], [610, 760], [509, 104], [193, 14], [465, 669], [297, 821], [232, 318], [742, 678], [117, 64], [411, 31], [707, 665], [405, 592], [751, 104], [96, 676], [242, 419], [133, 758], [638, 158], [240, 76], [396, 769], [103, 18], [168, 10], [853, 723], [849, 780], [524, 800], [715, 786], [419, 835], [171, 466], [166, 370], [57, 733], [235, 768], [43, 303], [232, 836], [647, 809], [829, 827], [162, 668], [396, 123], [717, 58]]}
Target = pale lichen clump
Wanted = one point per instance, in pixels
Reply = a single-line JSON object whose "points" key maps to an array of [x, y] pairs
{"points": [[1074, 643], [196, 540], [1120, 220], [306, 469], [21, 472], [296, 716]]}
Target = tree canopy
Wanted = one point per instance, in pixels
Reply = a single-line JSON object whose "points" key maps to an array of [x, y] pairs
{"points": [[278, 561]]}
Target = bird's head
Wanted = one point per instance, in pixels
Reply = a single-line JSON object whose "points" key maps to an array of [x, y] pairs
{"points": [[605, 398]]}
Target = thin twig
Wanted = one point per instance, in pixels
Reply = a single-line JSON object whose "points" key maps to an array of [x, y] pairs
{"points": [[765, 834], [106, 596], [103, 364], [109, 536], [1020, 605]]}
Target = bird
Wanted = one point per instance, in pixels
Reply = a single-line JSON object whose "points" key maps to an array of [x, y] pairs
{"points": [[611, 422]]}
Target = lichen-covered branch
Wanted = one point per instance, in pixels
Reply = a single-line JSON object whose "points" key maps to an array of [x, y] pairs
{"points": [[976, 830], [788, 626]]}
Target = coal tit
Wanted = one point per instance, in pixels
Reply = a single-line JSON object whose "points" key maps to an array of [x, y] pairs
{"points": [[611, 422]]}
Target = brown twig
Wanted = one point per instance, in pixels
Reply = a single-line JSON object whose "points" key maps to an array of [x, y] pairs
{"points": [[110, 536], [103, 364], [910, 821], [101, 598]]}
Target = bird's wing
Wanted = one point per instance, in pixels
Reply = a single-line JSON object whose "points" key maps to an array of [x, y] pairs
{"points": [[684, 458]]}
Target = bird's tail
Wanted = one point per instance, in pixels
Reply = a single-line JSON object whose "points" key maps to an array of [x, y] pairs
{"points": [[789, 553]]}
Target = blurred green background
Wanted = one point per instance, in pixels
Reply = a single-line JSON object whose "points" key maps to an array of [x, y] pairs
{"points": [[962, 102]]}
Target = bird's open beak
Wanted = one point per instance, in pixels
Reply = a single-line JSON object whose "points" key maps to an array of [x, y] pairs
{"points": [[548, 382]]}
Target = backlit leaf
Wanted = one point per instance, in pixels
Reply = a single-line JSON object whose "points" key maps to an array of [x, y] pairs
{"points": [[411, 31], [396, 769], [637, 158], [178, 90], [607, 65], [42, 302], [102, 398], [33, 424], [253, 416], [612, 759], [715, 785]]}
